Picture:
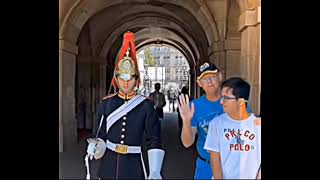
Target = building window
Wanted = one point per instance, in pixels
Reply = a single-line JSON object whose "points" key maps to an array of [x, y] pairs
{"points": [[167, 70]]}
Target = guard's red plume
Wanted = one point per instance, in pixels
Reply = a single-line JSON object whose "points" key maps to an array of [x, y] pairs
{"points": [[128, 42]]}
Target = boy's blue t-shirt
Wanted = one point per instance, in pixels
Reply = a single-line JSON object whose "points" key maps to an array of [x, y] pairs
{"points": [[204, 112]]}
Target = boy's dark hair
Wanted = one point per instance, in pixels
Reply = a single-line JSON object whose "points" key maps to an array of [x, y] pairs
{"points": [[157, 86], [240, 88]]}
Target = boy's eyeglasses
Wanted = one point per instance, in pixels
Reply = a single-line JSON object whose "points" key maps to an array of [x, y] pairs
{"points": [[225, 98]]}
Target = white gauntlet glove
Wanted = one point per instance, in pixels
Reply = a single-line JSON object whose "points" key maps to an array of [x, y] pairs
{"points": [[96, 148], [155, 157]]}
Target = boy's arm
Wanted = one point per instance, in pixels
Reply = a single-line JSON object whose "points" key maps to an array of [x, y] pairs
{"points": [[213, 146], [216, 165], [257, 122], [259, 173]]}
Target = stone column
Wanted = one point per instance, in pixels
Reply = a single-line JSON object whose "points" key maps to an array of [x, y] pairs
{"points": [[216, 52], [84, 93], [109, 75], [103, 81], [233, 50], [218, 56], [102, 92], [67, 71], [60, 104], [249, 26]]}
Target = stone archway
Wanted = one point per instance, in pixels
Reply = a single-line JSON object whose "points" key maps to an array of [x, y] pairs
{"points": [[84, 12], [221, 31]]}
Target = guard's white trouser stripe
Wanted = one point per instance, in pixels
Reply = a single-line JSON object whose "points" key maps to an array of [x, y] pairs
{"points": [[144, 168]]}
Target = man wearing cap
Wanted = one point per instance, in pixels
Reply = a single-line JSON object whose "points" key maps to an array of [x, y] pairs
{"points": [[196, 117], [122, 120]]}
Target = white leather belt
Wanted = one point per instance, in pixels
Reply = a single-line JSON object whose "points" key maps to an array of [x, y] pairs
{"points": [[123, 149]]}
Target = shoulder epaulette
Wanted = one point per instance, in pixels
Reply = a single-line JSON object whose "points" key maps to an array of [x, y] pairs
{"points": [[109, 96]]}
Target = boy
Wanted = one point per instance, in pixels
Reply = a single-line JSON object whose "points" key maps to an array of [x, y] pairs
{"points": [[234, 138]]}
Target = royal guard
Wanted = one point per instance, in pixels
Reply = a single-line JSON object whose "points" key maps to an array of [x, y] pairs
{"points": [[123, 119]]}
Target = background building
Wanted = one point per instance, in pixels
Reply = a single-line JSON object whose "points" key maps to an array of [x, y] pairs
{"points": [[170, 69]]}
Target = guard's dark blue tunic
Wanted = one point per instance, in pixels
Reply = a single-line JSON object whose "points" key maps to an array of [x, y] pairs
{"points": [[142, 121]]}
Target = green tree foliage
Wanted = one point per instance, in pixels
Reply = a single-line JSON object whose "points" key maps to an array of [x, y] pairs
{"points": [[149, 60]]}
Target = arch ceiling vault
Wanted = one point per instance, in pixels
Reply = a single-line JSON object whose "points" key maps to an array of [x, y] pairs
{"points": [[187, 25]]}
